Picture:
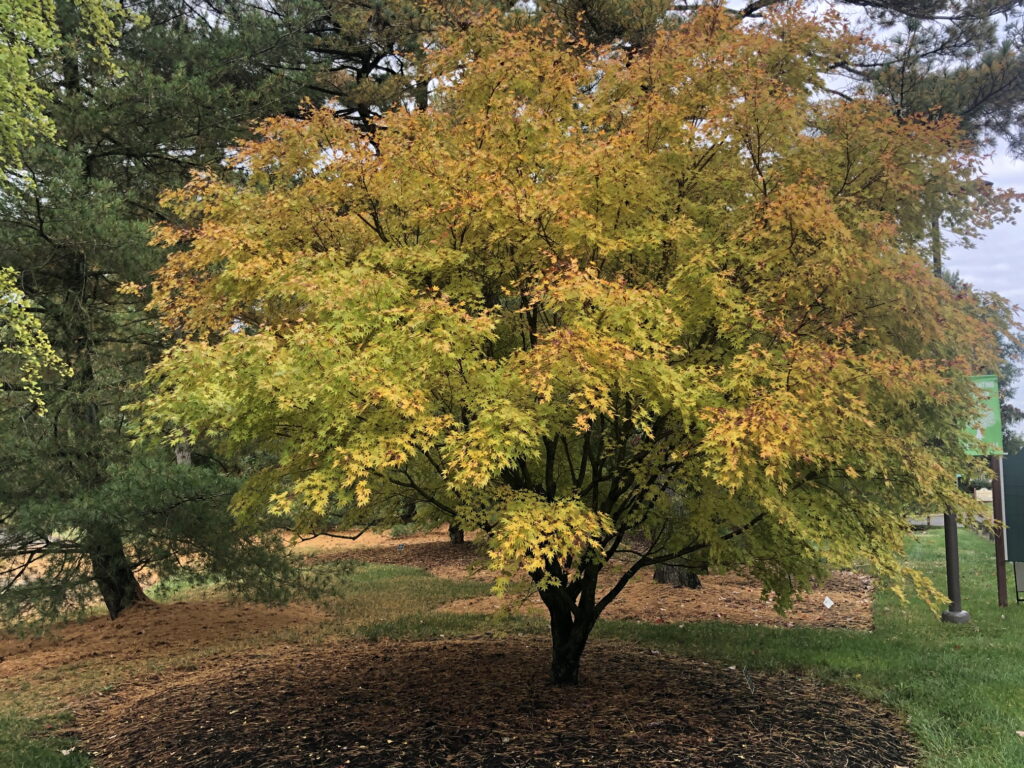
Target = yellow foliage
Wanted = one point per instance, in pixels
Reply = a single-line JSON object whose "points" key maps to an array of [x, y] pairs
{"points": [[670, 302]]}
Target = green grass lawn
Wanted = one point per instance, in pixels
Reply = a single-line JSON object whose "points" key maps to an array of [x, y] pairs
{"points": [[962, 687], [24, 745]]}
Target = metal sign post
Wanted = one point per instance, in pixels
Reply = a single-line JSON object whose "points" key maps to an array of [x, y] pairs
{"points": [[990, 432], [955, 614], [998, 514]]}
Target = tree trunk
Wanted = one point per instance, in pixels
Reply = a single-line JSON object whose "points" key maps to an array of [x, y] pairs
{"points": [[676, 575], [455, 533], [569, 634], [183, 453], [568, 638], [114, 577]]}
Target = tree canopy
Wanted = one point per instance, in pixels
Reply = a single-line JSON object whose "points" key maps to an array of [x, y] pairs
{"points": [[662, 307], [32, 40]]}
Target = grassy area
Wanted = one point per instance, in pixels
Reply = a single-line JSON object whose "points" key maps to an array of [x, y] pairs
{"points": [[962, 687], [23, 745]]}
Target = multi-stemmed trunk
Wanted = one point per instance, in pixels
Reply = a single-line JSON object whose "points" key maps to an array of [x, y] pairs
{"points": [[573, 612], [569, 636]]}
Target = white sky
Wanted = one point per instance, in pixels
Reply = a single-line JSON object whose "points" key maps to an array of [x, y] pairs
{"points": [[996, 263]]}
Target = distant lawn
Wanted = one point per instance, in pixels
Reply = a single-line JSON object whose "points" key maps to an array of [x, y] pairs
{"points": [[962, 687]]}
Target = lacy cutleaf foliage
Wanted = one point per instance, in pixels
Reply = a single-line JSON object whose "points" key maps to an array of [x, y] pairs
{"points": [[25, 352], [665, 302], [30, 39]]}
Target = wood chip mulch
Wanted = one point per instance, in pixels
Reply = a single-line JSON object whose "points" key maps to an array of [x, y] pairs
{"points": [[484, 703]]}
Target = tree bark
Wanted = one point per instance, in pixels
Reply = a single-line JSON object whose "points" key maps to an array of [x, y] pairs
{"points": [[112, 572], [570, 629], [676, 575], [455, 533], [183, 454], [568, 640]]}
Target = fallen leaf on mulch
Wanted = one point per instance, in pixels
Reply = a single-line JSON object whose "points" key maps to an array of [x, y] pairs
{"points": [[484, 703]]}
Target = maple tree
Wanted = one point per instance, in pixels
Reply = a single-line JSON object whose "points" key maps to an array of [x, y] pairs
{"points": [[32, 39], [26, 355], [610, 308]]}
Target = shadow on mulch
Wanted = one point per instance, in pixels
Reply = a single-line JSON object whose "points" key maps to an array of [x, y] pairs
{"points": [[485, 703]]}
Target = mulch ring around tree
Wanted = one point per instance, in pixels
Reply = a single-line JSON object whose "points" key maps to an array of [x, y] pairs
{"points": [[485, 703]]}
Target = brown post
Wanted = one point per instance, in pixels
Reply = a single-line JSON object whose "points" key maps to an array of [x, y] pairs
{"points": [[996, 462]]}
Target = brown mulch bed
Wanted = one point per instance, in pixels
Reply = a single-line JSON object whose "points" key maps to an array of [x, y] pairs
{"points": [[729, 597], [484, 703]]}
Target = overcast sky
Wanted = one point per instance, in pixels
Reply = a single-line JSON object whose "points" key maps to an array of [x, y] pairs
{"points": [[996, 263]]}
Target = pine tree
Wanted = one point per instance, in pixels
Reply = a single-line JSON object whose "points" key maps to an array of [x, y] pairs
{"points": [[81, 511]]}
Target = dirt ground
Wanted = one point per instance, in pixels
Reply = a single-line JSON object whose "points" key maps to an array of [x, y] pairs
{"points": [[169, 629], [483, 703], [431, 551], [726, 597]]}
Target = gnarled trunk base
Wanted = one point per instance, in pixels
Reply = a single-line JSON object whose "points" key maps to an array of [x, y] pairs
{"points": [[569, 634], [115, 579], [565, 660]]}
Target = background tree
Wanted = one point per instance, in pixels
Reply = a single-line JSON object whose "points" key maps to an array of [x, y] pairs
{"points": [[183, 80], [662, 306], [80, 510], [960, 60]]}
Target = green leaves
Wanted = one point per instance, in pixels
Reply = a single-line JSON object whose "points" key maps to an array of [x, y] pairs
{"points": [[25, 352], [31, 39]]}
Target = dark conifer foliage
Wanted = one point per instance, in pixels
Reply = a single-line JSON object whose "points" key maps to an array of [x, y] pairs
{"points": [[82, 510]]}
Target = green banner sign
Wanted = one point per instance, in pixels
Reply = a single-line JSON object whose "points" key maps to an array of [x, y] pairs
{"points": [[990, 428]]}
